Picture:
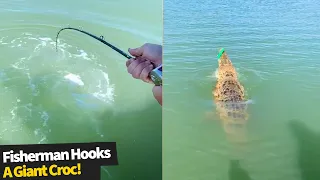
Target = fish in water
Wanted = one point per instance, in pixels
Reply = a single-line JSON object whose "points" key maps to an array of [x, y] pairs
{"points": [[230, 100]]}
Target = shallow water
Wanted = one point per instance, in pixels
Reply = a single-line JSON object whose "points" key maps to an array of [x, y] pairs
{"points": [[82, 93], [275, 46]]}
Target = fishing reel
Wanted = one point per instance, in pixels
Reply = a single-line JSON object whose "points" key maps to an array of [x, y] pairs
{"points": [[156, 75]]}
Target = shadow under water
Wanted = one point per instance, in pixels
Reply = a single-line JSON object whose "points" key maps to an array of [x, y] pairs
{"points": [[236, 172], [308, 143]]}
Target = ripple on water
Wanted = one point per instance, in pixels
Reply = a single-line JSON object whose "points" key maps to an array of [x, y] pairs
{"points": [[75, 78]]}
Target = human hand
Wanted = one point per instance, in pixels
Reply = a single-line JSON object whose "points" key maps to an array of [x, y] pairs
{"points": [[140, 68], [157, 93], [146, 57], [150, 52]]}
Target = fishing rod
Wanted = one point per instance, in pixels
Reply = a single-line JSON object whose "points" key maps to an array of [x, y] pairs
{"points": [[101, 39], [155, 74]]}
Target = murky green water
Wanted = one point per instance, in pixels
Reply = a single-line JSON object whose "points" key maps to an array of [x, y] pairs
{"points": [[41, 104], [275, 46]]}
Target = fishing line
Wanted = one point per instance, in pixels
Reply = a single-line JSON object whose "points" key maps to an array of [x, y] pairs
{"points": [[101, 39]]}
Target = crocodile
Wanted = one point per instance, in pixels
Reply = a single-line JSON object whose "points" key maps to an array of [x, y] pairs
{"points": [[230, 100]]}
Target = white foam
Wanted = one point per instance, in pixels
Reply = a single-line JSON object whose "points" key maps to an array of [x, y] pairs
{"points": [[41, 51], [105, 95], [250, 101], [74, 78], [216, 73]]}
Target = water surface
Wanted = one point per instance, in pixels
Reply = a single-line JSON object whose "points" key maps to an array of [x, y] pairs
{"points": [[82, 93], [275, 46]]}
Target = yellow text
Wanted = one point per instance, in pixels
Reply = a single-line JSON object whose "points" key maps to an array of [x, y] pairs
{"points": [[23, 171], [53, 170]]}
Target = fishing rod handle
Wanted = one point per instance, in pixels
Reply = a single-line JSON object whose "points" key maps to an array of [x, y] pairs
{"points": [[156, 75]]}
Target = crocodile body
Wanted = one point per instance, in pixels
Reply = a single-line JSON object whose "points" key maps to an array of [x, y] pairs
{"points": [[230, 100]]}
